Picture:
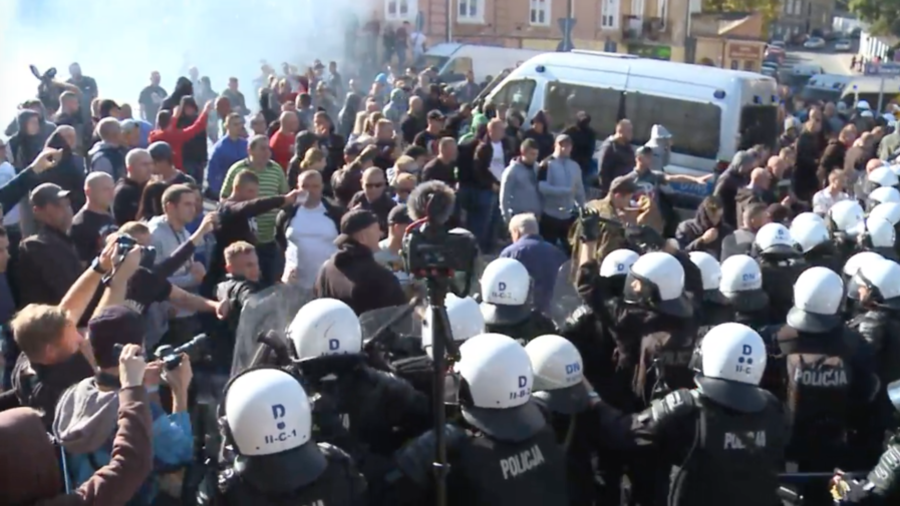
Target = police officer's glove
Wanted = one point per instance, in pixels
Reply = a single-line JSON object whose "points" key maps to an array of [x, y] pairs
{"points": [[416, 459], [589, 220], [846, 491]]}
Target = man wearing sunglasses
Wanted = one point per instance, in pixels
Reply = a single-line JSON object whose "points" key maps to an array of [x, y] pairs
{"points": [[373, 197]]}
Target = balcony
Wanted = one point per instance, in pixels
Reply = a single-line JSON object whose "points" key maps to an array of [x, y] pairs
{"points": [[645, 29]]}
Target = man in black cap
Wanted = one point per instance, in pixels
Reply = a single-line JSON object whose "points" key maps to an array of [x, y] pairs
{"points": [[388, 253], [352, 275], [163, 168], [48, 262]]}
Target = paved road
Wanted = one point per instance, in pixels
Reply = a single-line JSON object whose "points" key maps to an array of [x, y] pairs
{"points": [[831, 62]]}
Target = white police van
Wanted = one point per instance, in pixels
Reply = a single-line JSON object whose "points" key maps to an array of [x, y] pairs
{"points": [[711, 112]]}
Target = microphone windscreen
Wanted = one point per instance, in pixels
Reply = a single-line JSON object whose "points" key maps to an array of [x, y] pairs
{"points": [[433, 200]]}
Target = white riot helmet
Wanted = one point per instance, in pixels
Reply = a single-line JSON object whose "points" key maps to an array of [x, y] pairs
{"points": [[847, 217], [558, 374], [884, 194], [818, 295], [805, 217], [617, 263], [880, 235], [852, 265], [495, 388], [711, 274], [269, 421], [505, 288], [883, 177], [775, 239], [882, 279], [465, 320], [325, 327], [742, 284], [888, 210], [657, 280], [809, 233], [732, 359]]}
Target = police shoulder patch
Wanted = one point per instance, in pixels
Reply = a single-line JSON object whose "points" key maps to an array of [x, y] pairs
{"points": [[677, 403], [584, 311]]}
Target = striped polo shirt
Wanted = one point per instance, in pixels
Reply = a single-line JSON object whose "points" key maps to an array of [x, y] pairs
{"points": [[272, 182]]}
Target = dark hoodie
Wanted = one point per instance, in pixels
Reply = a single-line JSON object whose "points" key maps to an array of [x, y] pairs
{"points": [[544, 140], [40, 386], [689, 232], [24, 148], [353, 276], [29, 466], [584, 143], [68, 173], [183, 88], [194, 152], [347, 116]]}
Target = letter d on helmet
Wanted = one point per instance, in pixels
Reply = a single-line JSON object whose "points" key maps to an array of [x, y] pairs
{"points": [[325, 327]]}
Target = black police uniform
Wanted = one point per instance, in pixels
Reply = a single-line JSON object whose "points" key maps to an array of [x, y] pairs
{"points": [[725, 451], [330, 480], [778, 277], [522, 323], [714, 309], [880, 327], [825, 255], [521, 464]]}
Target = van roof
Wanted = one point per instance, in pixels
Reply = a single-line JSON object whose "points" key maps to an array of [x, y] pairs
{"points": [[677, 72]]}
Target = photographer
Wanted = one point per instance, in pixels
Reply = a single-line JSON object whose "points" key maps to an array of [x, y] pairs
{"points": [[29, 467], [86, 412]]}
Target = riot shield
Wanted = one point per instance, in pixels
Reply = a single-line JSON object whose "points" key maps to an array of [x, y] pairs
{"points": [[565, 296], [395, 331], [270, 309]]}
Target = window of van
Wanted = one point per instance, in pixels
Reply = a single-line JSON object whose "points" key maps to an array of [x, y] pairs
{"points": [[565, 100], [694, 125], [759, 125], [516, 94]]}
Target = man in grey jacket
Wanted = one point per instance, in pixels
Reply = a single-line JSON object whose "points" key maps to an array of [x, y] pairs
{"points": [[562, 190], [519, 185]]}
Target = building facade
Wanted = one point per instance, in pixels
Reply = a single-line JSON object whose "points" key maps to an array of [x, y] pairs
{"points": [[731, 41], [799, 17], [649, 28]]}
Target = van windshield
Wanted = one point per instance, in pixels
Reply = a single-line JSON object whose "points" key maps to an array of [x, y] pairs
{"points": [[759, 125], [812, 94], [437, 62]]}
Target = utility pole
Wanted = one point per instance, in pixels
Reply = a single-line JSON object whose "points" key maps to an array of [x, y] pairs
{"points": [[449, 21]]}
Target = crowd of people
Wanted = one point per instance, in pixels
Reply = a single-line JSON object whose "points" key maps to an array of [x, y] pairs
{"points": [[125, 238]]}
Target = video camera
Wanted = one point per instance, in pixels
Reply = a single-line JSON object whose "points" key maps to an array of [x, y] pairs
{"points": [[126, 243], [171, 356]]}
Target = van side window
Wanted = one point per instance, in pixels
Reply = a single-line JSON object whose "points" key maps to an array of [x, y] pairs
{"points": [[461, 65], [694, 125], [565, 100], [516, 95]]}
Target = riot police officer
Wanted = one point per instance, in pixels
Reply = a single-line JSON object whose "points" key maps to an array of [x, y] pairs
{"points": [[267, 425], [780, 262], [504, 453], [363, 410], [879, 236], [506, 302], [881, 177], [882, 486], [742, 286], [890, 211], [559, 386], [845, 222], [881, 195], [810, 233], [850, 267], [714, 307], [724, 441], [827, 371], [465, 321]]}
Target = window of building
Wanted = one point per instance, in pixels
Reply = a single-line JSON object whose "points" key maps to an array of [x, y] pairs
{"points": [[750, 65], [637, 8], [471, 11], [662, 12], [564, 101], [694, 125], [734, 64], [609, 16], [539, 14], [516, 95], [395, 10]]}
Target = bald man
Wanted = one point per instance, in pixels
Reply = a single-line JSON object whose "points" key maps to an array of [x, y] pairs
{"points": [[107, 155], [373, 196], [94, 222], [127, 195], [282, 141], [758, 191]]}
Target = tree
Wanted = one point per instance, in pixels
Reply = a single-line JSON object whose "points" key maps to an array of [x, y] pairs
{"points": [[882, 15]]}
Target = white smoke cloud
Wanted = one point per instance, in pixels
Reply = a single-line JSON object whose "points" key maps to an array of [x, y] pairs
{"points": [[119, 42]]}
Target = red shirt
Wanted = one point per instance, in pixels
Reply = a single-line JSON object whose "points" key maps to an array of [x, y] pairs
{"points": [[176, 137], [282, 146]]}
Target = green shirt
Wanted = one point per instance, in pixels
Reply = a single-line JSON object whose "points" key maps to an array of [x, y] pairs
{"points": [[272, 182]]}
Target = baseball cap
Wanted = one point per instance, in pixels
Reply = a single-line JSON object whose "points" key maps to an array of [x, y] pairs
{"points": [[47, 193], [111, 326], [622, 184], [435, 114], [160, 151], [399, 215], [357, 220], [563, 138]]}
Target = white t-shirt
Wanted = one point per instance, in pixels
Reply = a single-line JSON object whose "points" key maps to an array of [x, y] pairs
{"points": [[498, 163], [823, 200], [7, 173], [392, 261], [310, 237], [417, 40]]}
